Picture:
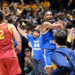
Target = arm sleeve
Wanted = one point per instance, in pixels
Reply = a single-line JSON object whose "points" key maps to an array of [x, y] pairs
{"points": [[29, 37], [15, 43], [62, 65]]}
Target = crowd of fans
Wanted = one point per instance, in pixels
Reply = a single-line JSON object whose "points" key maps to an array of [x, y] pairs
{"points": [[28, 15]]}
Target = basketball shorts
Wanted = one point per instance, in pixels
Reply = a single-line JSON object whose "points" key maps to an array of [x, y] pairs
{"points": [[47, 58], [9, 66]]}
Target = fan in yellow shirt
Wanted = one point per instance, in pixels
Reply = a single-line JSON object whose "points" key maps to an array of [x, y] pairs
{"points": [[22, 8], [70, 1], [4, 5], [34, 8], [45, 4]]}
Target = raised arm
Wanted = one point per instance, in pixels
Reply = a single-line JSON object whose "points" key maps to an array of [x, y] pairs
{"points": [[47, 25], [22, 32], [16, 36]]}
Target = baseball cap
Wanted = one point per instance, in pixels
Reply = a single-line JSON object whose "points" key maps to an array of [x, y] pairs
{"points": [[27, 49]]}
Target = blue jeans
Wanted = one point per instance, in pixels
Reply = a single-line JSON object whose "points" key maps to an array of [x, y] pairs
{"points": [[38, 67], [30, 73]]}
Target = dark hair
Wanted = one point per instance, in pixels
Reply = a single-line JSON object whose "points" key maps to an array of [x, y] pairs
{"points": [[60, 37], [60, 15], [1, 15], [46, 12], [69, 25], [36, 31]]}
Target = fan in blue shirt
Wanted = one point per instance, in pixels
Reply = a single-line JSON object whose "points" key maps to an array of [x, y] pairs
{"points": [[36, 43]]}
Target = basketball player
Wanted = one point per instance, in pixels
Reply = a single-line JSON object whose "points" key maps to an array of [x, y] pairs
{"points": [[48, 40], [8, 60]]}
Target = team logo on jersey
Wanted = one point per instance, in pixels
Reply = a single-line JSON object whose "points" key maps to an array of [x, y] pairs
{"points": [[36, 44], [36, 41], [2, 27]]}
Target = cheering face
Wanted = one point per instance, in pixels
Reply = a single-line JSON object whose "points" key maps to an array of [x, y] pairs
{"points": [[35, 34], [48, 16]]}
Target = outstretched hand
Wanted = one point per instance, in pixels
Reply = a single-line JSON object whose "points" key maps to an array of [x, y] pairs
{"points": [[61, 23]]}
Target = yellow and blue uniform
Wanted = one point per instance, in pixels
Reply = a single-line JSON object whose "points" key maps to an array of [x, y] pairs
{"points": [[48, 47], [63, 61]]}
